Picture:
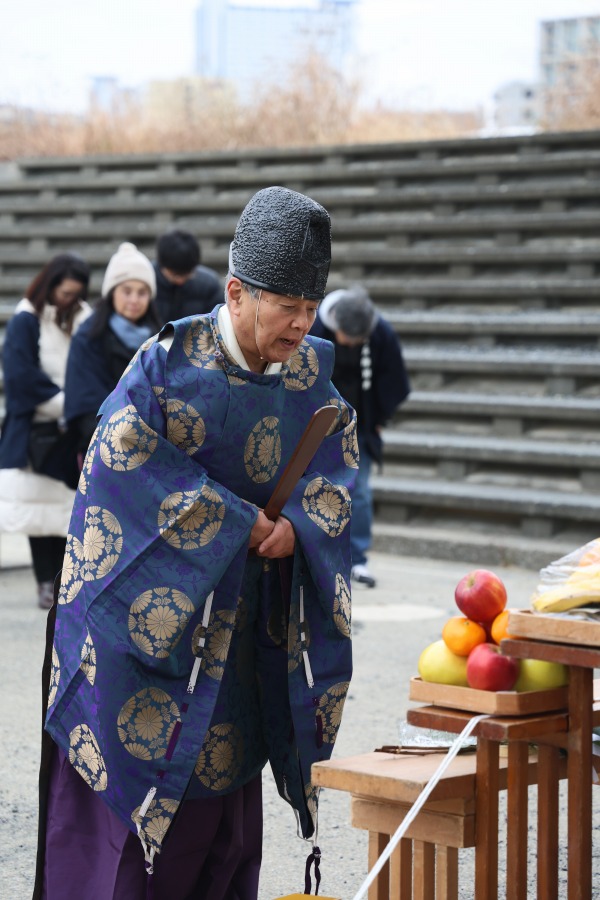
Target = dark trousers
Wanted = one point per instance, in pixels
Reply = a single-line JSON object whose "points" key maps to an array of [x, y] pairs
{"points": [[213, 853], [47, 554]]}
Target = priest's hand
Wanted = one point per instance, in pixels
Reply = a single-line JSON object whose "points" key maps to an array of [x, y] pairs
{"points": [[261, 529], [280, 542]]}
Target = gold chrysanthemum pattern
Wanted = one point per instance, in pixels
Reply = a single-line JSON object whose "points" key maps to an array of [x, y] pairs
{"points": [[145, 723], [191, 519], [88, 659], [220, 758], [157, 819], [145, 346], [54, 677], [311, 792], [302, 368], [86, 758], [343, 417], [350, 447], [157, 619], [342, 606], [217, 638], [95, 556], [87, 462], [327, 505], [331, 706], [126, 442], [199, 345], [185, 426], [262, 454]]}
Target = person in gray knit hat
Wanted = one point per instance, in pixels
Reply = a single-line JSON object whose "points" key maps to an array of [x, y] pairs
{"points": [[214, 626], [370, 374], [123, 319]]}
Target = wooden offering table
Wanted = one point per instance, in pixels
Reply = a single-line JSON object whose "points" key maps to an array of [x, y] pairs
{"points": [[383, 786], [569, 730], [576, 644], [548, 731]]}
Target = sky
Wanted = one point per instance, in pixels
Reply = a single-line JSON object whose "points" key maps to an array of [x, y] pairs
{"points": [[413, 53]]}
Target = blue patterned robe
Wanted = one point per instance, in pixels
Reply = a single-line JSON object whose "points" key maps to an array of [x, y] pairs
{"points": [[180, 664]]}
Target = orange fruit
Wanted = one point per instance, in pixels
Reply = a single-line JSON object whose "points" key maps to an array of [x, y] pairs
{"points": [[461, 634], [499, 626]]}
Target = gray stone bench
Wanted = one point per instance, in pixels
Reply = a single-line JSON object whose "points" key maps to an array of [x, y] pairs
{"points": [[538, 513], [503, 413], [554, 372], [318, 167], [459, 455]]}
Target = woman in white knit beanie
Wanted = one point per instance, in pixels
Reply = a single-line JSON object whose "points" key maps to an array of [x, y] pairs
{"points": [[123, 319]]}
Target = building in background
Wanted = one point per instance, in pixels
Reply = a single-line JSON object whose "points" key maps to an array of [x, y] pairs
{"points": [[569, 54], [250, 45], [516, 107]]}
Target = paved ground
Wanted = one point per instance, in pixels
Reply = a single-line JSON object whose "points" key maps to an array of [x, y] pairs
{"points": [[392, 623]]}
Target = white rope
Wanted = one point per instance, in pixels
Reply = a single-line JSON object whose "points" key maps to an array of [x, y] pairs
{"points": [[416, 807]]}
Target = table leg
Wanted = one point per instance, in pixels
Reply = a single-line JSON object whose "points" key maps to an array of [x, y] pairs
{"points": [[486, 821], [380, 889], [516, 837], [579, 773], [423, 870], [547, 824], [446, 873], [401, 871]]}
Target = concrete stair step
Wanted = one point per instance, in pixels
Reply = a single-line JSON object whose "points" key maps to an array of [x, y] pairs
{"points": [[331, 165], [533, 512], [476, 458], [536, 145], [482, 549], [554, 371], [401, 444], [522, 324], [505, 413], [369, 254]]}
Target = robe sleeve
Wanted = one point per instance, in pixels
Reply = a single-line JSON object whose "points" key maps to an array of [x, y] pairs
{"points": [[320, 506], [171, 517]]}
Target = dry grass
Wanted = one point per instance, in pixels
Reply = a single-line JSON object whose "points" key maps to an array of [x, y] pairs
{"points": [[317, 106], [575, 106]]}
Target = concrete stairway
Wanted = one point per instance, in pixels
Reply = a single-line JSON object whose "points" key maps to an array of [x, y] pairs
{"points": [[485, 255]]}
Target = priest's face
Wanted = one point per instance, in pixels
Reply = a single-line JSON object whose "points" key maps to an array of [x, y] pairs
{"points": [[268, 329]]}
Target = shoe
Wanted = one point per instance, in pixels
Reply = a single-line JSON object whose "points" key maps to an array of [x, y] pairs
{"points": [[361, 575], [45, 595]]}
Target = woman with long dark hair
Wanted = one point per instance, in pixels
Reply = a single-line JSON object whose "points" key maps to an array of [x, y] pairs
{"points": [[122, 320], [38, 465]]}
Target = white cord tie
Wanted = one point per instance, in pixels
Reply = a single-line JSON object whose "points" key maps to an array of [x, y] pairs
{"points": [[417, 805]]}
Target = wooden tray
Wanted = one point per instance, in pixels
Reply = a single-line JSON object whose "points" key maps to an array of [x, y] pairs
{"points": [[498, 703], [553, 628]]}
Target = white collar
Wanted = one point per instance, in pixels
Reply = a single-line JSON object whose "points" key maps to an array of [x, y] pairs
{"points": [[231, 342]]}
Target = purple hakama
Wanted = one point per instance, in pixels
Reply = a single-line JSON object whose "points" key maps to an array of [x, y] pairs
{"points": [[213, 851]]}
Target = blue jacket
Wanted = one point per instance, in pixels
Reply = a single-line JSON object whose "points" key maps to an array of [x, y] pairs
{"points": [[26, 385]]}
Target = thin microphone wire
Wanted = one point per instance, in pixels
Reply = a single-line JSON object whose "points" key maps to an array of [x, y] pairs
{"points": [[256, 324]]}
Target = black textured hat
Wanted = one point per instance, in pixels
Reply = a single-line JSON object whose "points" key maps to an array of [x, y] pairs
{"points": [[282, 243]]}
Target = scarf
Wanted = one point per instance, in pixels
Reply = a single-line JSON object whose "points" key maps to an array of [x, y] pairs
{"points": [[129, 333]]}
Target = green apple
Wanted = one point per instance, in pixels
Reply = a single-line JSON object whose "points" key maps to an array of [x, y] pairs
{"points": [[539, 675], [439, 664]]}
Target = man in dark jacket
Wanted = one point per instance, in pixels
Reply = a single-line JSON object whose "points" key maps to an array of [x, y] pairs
{"points": [[370, 375], [183, 286]]}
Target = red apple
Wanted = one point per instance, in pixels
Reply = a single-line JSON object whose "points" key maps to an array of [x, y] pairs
{"points": [[480, 596], [489, 670]]}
